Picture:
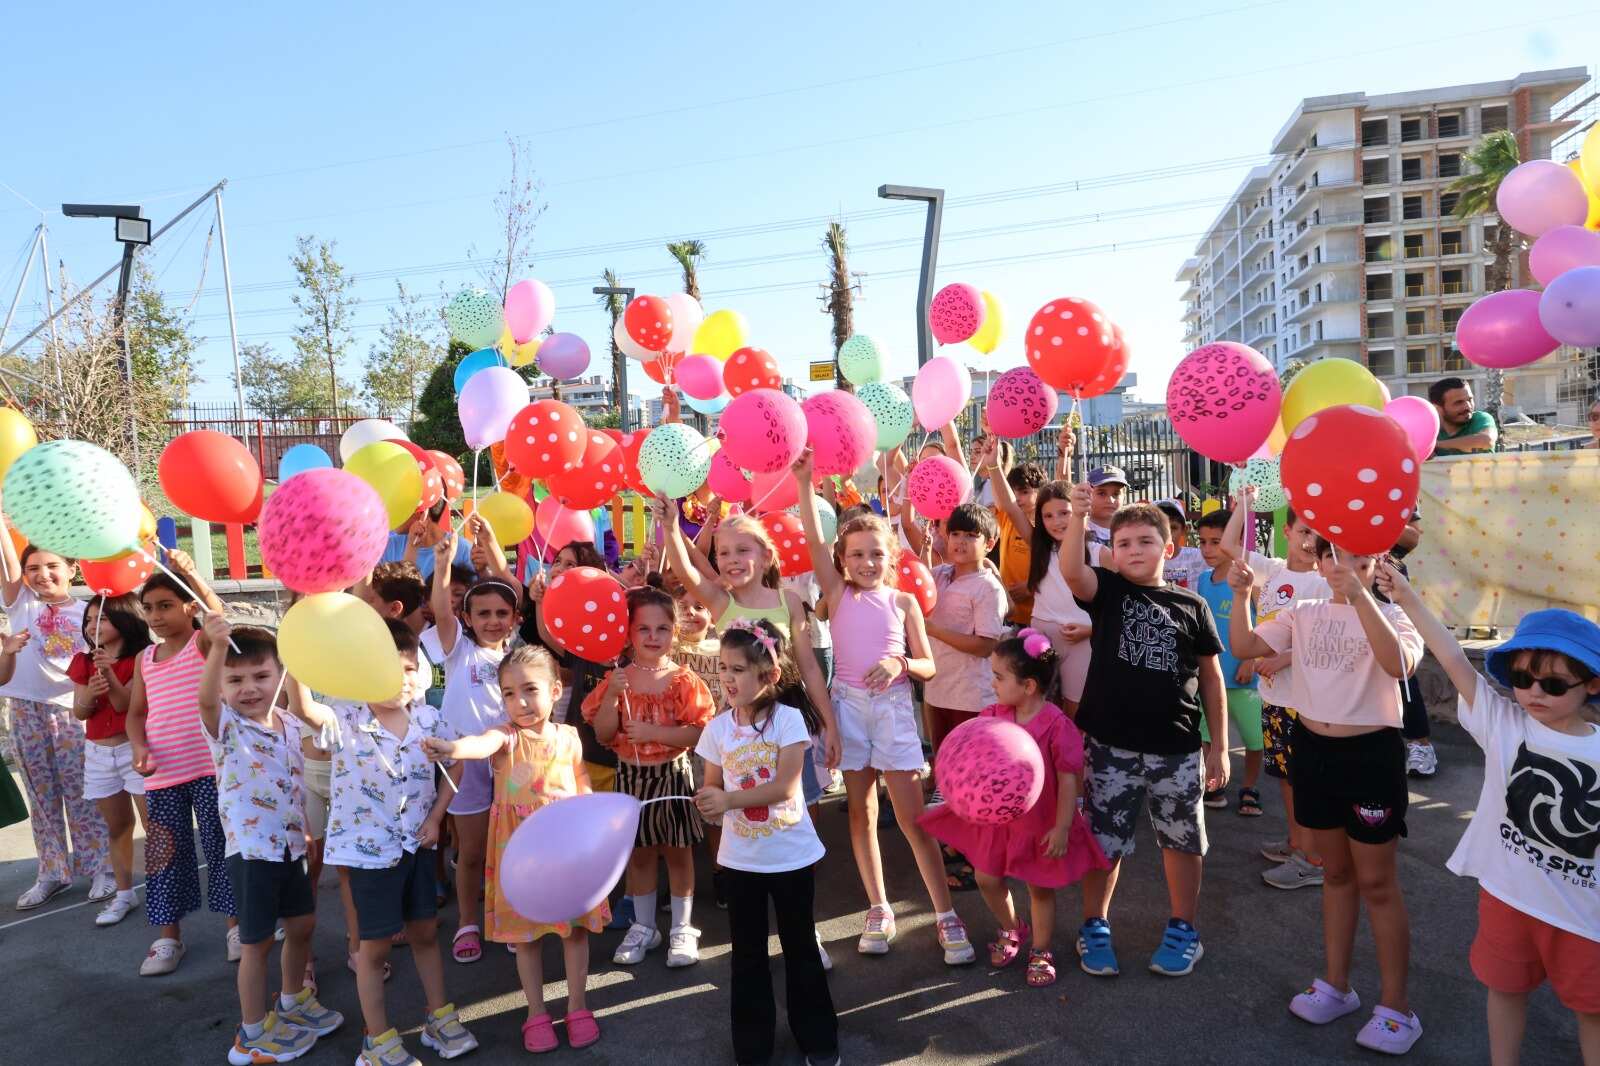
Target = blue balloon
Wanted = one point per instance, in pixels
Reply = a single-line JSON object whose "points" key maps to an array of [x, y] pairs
{"points": [[482, 359], [299, 459], [712, 406]]}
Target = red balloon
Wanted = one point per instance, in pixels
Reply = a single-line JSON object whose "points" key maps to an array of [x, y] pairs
{"points": [[586, 612], [630, 444], [1353, 475], [450, 473], [1111, 374], [728, 481], [594, 482], [432, 483], [750, 368], [648, 321], [915, 579], [790, 539], [546, 437], [211, 476], [657, 370], [1069, 344], [117, 575], [772, 492]]}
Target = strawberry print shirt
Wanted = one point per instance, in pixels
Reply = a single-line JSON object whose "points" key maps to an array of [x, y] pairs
{"points": [[57, 635], [261, 786], [382, 786], [764, 840]]}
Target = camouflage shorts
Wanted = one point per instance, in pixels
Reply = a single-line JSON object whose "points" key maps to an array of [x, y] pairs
{"points": [[1117, 784], [1276, 725]]}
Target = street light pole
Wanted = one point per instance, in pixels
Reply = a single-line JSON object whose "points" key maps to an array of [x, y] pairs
{"points": [[619, 367], [934, 198]]}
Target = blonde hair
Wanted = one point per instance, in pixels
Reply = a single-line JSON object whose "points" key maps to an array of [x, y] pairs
{"points": [[867, 523], [750, 527]]}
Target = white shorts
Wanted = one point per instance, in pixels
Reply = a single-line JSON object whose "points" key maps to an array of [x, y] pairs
{"points": [[108, 769], [1073, 659], [877, 730], [319, 782]]}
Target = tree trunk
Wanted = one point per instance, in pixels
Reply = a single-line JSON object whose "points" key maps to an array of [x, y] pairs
{"points": [[1498, 279]]}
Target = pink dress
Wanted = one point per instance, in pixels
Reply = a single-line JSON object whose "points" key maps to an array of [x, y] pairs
{"points": [[1014, 849]]}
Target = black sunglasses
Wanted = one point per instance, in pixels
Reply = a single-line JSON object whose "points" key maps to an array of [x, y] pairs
{"points": [[1553, 686]]}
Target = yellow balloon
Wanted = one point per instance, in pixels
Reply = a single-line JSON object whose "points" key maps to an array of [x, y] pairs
{"points": [[393, 471], [509, 516], [16, 437], [1328, 383], [337, 645], [1277, 438], [1589, 157], [1209, 506], [523, 354], [987, 339], [147, 524], [720, 335], [1593, 221], [506, 344]]}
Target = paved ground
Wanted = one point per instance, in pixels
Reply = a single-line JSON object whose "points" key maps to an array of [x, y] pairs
{"points": [[75, 996]]}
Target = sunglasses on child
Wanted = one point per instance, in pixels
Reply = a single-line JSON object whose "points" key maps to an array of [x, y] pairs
{"points": [[1553, 686]]}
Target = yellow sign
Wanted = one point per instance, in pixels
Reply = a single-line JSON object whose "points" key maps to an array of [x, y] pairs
{"points": [[822, 371]]}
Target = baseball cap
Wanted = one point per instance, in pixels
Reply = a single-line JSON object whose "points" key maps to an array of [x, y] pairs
{"points": [[1176, 504], [1107, 475], [1553, 629]]}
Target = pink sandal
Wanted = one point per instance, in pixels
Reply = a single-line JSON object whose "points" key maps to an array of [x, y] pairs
{"points": [[582, 1029], [1007, 946], [350, 961], [1041, 969], [467, 945], [539, 1034]]}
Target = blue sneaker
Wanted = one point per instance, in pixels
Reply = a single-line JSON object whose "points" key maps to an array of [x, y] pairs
{"points": [[1095, 954], [1180, 949]]}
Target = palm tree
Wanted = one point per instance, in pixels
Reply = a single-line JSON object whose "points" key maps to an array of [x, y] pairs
{"points": [[613, 305], [1489, 161], [839, 300], [688, 254]]}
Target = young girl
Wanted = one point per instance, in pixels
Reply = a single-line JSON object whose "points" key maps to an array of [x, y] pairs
{"points": [[1050, 846], [103, 675], [651, 712], [754, 753], [578, 676], [879, 645], [472, 646], [170, 749], [536, 762], [1347, 765], [1536, 920]]}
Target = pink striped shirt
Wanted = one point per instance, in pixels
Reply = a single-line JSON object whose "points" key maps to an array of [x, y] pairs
{"points": [[172, 718]]}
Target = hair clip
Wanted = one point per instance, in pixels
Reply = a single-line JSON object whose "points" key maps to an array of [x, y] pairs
{"points": [[1035, 643], [754, 628]]}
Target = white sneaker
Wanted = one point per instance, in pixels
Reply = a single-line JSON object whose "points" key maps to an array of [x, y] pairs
{"points": [[1421, 759], [102, 888], [639, 940], [822, 949], [1296, 873], [116, 910], [683, 946], [235, 949], [163, 957], [878, 932]]}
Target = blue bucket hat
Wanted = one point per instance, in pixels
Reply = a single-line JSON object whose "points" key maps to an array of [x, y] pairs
{"points": [[1550, 630]]}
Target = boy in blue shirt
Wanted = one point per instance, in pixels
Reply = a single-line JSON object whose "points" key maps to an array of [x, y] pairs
{"points": [[1239, 679]]}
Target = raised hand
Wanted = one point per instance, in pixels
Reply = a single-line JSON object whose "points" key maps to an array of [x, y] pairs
{"points": [[1081, 498]]}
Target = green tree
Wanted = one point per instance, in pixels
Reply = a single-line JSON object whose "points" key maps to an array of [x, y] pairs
{"points": [[159, 340], [839, 301], [688, 254], [399, 365], [1488, 163], [437, 424], [322, 336], [282, 385]]}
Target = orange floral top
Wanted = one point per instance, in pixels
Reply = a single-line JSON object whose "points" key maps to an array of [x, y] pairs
{"points": [[685, 701]]}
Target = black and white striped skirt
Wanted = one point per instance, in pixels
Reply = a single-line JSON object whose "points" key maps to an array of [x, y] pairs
{"points": [[673, 824]]}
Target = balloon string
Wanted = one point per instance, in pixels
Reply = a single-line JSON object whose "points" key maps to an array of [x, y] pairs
{"points": [[627, 716], [764, 496], [1079, 445], [664, 799]]}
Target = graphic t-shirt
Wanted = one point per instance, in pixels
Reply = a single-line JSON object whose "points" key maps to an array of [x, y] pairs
{"points": [[1143, 688], [1185, 567], [769, 839], [261, 797], [1337, 679], [1281, 587], [57, 635], [472, 687], [1534, 839]]}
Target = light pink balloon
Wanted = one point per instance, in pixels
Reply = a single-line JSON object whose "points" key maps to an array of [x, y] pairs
{"points": [[1562, 249], [1540, 195], [1502, 330], [530, 307], [989, 771], [763, 431], [727, 480], [1223, 399], [687, 314], [1420, 420], [700, 376], [938, 485], [323, 530], [941, 389], [1020, 404], [628, 347], [955, 313], [489, 401], [841, 431], [562, 861], [558, 525]]}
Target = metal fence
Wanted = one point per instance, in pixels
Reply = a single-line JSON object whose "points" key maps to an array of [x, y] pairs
{"points": [[269, 434]]}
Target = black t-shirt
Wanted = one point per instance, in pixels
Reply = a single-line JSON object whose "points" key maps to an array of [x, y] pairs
{"points": [[1143, 689]]}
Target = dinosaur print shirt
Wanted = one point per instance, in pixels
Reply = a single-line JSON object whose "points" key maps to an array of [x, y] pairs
{"points": [[261, 794], [382, 786]]}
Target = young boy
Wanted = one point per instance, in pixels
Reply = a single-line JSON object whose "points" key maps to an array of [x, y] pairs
{"points": [[965, 624], [1016, 552], [1154, 666], [1187, 564], [1107, 484], [383, 825], [1239, 678], [261, 799]]}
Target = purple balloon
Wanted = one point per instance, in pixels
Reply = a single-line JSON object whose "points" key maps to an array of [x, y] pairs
{"points": [[560, 863], [1570, 307], [1540, 195], [489, 401], [563, 355], [1562, 249], [1502, 330]]}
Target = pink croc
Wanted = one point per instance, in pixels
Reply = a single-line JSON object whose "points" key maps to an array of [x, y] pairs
{"points": [[582, 1029], [1007, 946], [467, 945], [539, 1034]]}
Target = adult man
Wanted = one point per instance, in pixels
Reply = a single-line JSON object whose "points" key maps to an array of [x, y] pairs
{"points": [[1463, 430]]}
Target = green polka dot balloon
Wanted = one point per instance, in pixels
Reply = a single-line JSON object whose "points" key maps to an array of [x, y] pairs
{"points": [[1263, 474], [73, 498], [674, 460], [891, 410], [475, 318], [861, 360]]}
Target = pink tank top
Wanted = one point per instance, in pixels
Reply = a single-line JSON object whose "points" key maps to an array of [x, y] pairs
{"points": [[172, 718], [867, 629]]}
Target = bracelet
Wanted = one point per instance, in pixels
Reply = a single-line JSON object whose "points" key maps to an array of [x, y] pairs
{"points": [[905, 666]]}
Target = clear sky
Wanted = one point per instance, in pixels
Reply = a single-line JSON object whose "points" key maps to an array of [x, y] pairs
{"points": [[1083, 148]]}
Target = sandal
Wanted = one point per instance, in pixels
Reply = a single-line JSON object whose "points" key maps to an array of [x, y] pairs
{"points": [[961, 878], [310, 978], [539, 1034], [350, 961], [1041, 969], [582, 1029], [1007, 946], [1250, 803], [467, 944], [401, 939]]}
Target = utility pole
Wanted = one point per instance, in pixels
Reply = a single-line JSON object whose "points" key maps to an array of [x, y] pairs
{"points": [[620, 369], [934, 198]]}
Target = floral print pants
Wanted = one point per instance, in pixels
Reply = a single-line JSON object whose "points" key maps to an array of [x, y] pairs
{"points": [[49, 744]]}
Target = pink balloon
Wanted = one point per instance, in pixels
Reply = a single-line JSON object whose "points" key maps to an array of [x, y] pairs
{"points": [[489, 401], [563, 355], [1562, 249], [763, 431], [1223, 400], [1540, 195], [559, 525], [700, 376], [1502, 330], [772, 492], [628, 346], [955, 313], [1570, 308], [687, 314], [727, 480], [989, 771], [323, 530], [938, 485], [1420, 420], [562, 861], [530, 306], [941, 389], [1020, 404], [841, 431]]}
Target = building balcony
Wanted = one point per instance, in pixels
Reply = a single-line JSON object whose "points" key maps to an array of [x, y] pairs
{"points": [[1316, 195], [1308, 156], [1309, 310], [1303, 238], [1258, 212], [1322, 347]]}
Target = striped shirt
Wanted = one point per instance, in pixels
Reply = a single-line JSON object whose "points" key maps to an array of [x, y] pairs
{"points": [[172, 717]]}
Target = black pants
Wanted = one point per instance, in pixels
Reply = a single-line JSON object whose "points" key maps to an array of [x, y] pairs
{"points": [[755, 1013], [1415, 723]]}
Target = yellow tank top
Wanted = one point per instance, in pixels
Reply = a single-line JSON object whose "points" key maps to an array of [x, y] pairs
{"points": [[778, 616]]}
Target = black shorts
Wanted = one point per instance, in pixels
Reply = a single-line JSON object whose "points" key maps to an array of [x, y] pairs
{"points": [[387, 899], [265, 891], [1357, 784]]}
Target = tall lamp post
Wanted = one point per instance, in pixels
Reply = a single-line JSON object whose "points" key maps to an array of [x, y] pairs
{"points": [[934, 198], [133, 230], [621, 367]]}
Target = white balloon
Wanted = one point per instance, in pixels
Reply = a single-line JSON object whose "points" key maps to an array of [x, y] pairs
{"points": [[866, 478], [687, 314], [626, 345], [365, 432]]}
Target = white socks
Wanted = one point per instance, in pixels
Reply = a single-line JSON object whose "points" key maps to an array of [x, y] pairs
{"points": [[644, 909], [682, 906], [286, 1002], [940, 916], [125, 895]]}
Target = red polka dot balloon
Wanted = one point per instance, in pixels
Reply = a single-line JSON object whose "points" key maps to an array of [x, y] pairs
{"points": [[790, 539], [586, 612], [1111, 375], [750, 368], [648, 321], [115, 576], [432, 483], [450, 472], [630, 444], [915, 579], [1351, 472], [546, 437], [1069, 342], [596, 480]]}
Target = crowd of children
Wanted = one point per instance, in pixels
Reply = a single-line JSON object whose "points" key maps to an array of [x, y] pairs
{"points": [[1127, 656]]}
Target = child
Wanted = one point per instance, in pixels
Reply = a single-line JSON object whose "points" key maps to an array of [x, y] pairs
{"points": [[1347, 763], [1154, 669], [1187, 563], [1107, 483], [472, 647], [262, 804], [102, 677], [696, 645], [1016, 546], [1238, 678], [537, 762], [651, 712], [879, 645], [1050, 846], [170, 749], [579, 675], [754, 754], [965, 624], [1537, 917], [383, 825]]}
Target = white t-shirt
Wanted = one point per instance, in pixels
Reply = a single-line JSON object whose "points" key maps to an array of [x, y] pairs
{"points": [[1533, 840], [763, 840], [57, 635], [472, 687], [1281, 587], [1054, 602], [1185, 567]]}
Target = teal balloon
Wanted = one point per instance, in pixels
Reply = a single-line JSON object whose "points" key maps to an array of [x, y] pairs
{"points": [[1263, 474], [861, 360], [73, 498], [475, 318], [674, 460], [712, 406], [826, 518], [891, 410], [481, 359]]}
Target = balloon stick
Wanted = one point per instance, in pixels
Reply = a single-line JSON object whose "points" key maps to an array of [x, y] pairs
{"points": [[191, 593]]}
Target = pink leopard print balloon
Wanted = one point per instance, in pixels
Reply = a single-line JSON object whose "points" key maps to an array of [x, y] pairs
{"points": [[1223, 400], [990, 771], [323, 530], [763, 431], [955, 313], [1020, 404], [938, 485]]}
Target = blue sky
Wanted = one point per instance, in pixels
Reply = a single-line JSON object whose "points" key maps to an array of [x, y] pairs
{"points": [[383, 127]]}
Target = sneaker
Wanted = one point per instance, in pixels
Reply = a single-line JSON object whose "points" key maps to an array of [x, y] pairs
{"points": [[1216, 800], [1296, 873], [444, 1033], [385, 1050], [935, 797], [1421, 759], [1390, 1032], [307, 1013], [1279, 851], [683, 946], [640, 940], [822, 950], [953, 939], [278, 1042], [39, 894], [102, 888], [823, 1060], [235, 948], [1322, 1003], [1180, 949], [115, 911], [878, 932], [1095, 953], [622, 915], [162, 958]]}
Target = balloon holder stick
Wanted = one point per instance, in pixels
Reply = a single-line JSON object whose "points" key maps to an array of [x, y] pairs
{"points": [[184, 585]]}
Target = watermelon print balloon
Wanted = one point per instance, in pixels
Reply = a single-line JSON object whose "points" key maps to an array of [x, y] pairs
{"points": [[674, 460], [861, 360], [789, 538], [955, 313], [1353, 475], [546, 437], [840, 431], [891, 409], [989, 771], [748, 369], [1261, 474], [938, 485], [73, 498], [586, 612], [323, 531], [763, 431], [1019, 403], [1223, 400], [648, 321], [475, 318], [913, 577], [1068, 343], [593, 481]]}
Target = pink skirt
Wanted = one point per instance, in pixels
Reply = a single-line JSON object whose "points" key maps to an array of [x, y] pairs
{"points": [[1014, 850]]}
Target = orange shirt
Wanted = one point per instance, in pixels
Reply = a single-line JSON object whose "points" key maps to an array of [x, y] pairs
{"points": [[1016, 553], [684, 702]]}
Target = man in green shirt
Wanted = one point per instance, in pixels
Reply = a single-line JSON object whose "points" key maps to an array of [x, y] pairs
{"points": [[1462, 429]]}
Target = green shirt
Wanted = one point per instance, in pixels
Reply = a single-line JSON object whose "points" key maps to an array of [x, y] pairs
{"points": [[1480, 422]]}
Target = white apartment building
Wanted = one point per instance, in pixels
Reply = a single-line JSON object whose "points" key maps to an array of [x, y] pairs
{"points": [[588, 396], [1345, 244]]}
